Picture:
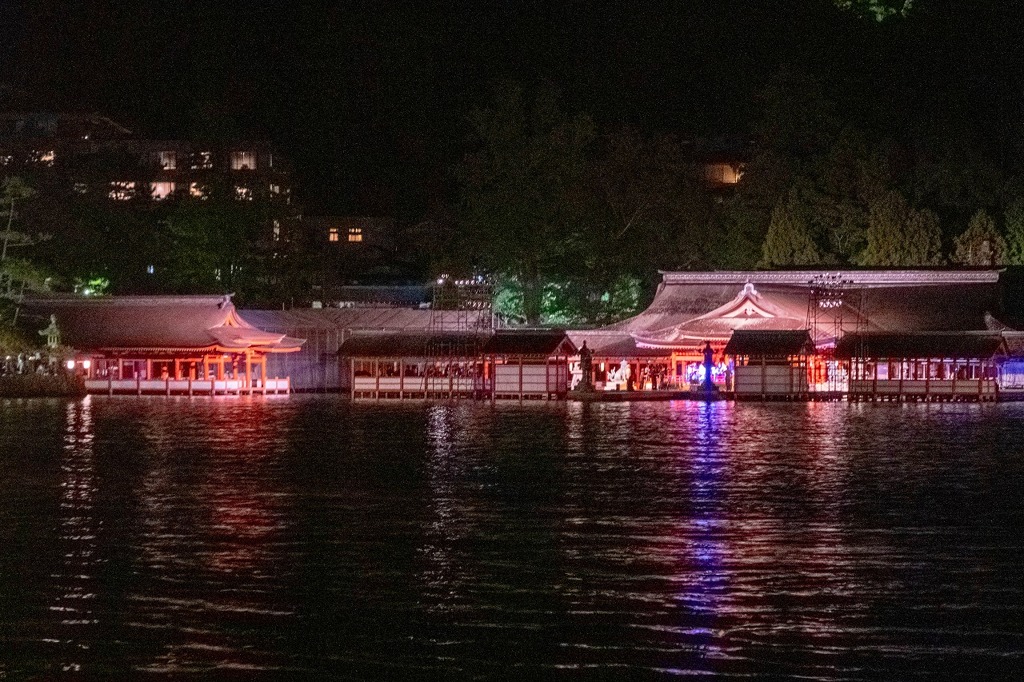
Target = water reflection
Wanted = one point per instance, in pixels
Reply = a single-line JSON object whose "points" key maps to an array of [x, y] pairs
{"points": [[232, 539], [75, 580], [706, 581], [445, 571], [215, 511]]}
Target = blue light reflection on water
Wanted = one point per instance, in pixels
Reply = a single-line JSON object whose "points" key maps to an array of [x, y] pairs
{"points": [[708, 581], [309, 536]]}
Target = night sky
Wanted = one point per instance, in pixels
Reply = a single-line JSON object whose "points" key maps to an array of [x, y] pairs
{"points": [[369, 99]]}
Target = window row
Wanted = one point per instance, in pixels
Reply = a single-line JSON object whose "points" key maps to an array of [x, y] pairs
{"points": [[355, 234], [168, 160], [123, 190]]}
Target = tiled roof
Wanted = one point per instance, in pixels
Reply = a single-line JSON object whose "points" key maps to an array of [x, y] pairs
{"points": [[376, 319], [154, 322], [412, 344], [690, 307], [770, 343], [543, 343], [920, 345], [615, 345], [536, 342]]}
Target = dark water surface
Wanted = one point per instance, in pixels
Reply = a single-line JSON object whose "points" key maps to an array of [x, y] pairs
{"points": [[306, 537]]}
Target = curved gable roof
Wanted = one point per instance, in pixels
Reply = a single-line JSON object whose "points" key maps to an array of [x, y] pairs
{"points": [[691, 307], [156, 323]]}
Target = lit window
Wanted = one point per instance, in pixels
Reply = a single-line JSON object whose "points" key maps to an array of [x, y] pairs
{"points": [[202, 160], [277, 230], [43, 158], [723, 173], [161, 190], [168, 160], [270, 160], [355, 234], [243, 161], [81, 187], [275, 189], [243, 193], [122, 190], [332, 234], [5, 160], [196, 190], [150, 269]]}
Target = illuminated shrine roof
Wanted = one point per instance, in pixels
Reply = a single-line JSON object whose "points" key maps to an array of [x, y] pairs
{"points": [[749, 310], [691, 307], [157, 323]]}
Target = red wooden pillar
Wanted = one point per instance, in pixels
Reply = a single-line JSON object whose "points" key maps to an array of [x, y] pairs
{"points": [[520, 378]]}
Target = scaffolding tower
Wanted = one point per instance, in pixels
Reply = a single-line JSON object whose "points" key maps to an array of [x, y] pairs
{"points": [[826, 307], [461, 318]]}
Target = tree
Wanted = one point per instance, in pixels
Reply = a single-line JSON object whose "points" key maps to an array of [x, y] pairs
{"points": [[878, 10], [517, 186], [12, 193], [17, 275], [790, 239], [923, 238], [1014, 220], [980, 244], [900, 236], [215, 244], [796, 131]]}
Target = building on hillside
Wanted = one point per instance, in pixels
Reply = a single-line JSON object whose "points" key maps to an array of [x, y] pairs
{"points": [[93, 155], [355, 249], [721, 162], [91, 162], [162, 344], [377, 296]]}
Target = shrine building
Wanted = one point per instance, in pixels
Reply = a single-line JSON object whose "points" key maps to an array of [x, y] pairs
{"points": [[663, 344], [162, 344]]}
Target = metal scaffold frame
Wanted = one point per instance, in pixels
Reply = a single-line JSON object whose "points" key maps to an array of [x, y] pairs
{"points": [[827, 299], [460, 319]]}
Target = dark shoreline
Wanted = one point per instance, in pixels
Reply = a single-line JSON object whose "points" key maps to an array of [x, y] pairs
{"points": [[41, 386]]}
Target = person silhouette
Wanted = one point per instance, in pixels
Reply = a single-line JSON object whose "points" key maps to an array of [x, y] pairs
{"points": [[586, 368]]}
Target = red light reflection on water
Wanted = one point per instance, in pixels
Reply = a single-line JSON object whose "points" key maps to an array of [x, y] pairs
{"points": [[215, 506]]}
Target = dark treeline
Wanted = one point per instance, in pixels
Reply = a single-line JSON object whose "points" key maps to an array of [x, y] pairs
{"points": [[892, 142], [575, 218], [370, 99]]}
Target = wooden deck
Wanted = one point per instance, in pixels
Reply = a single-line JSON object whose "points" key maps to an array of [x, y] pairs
{"points": [[189, 387]]}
